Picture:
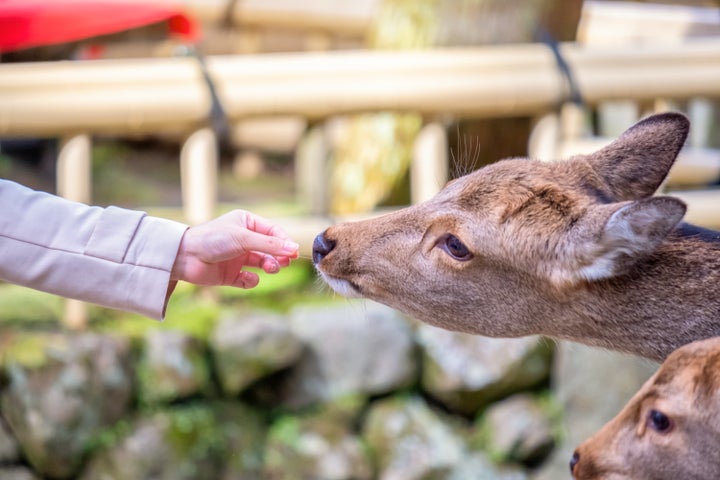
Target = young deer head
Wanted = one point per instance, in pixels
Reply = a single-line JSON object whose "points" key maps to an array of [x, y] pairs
{"points": [[670, 429], [576, 249]]}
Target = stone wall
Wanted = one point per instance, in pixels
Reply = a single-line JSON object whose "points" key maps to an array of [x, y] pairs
{"points": [[342, 390]]}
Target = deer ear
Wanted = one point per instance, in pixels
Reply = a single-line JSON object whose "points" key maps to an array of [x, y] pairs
{"points": [[634, 165], [632, 232]]}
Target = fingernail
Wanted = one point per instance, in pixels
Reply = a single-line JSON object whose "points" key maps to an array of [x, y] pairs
{"points": [[272, 265], [290, 247]]}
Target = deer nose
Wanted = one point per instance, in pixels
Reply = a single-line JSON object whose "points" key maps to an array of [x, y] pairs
{"points": [[574, 461], [322, 245]]}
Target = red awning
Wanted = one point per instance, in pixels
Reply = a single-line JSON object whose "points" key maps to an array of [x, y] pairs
{"points": [[35, 23]]}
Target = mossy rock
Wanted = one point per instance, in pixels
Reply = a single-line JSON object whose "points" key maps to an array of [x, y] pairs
{"points": [[315, 445], [188, 442], [519, 429], [249, 346], [55, 403], [411, 440], [172, 366], [467, 372], [27, 349]]}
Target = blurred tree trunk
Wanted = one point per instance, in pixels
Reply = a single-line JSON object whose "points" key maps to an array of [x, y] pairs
{"points": [[372, 153], [475, 143]]}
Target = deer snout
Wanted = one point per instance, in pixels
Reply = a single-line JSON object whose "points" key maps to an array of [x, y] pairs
{"points": [[322, 245], [574, 461]]}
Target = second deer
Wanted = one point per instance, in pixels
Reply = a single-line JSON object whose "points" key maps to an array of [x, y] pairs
{"points": [[670, 429]]}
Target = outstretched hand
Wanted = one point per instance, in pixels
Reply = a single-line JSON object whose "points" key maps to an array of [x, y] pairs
{"points": [[216, 252]]}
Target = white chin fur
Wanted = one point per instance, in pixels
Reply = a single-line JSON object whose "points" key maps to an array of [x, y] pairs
{"points": [[342, 287]]}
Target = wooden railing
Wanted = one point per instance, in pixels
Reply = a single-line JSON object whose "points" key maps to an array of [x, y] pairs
{"points": [[130, 96], [67, 99]]}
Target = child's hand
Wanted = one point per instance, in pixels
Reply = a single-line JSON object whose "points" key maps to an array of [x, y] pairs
{"points": [[216, 252]]}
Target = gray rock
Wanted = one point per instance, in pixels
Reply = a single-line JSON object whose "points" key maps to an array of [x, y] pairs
{"points": [[467, 372], [56, 408], [592, 386], [9, 449], [185, 443], [172, 367], [252, 346], [410, 441], [318, 446], [17, 473], [351, 348], [244, 432], [518, 429]]}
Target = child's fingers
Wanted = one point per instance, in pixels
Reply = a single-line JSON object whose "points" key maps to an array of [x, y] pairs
{"points": [[257, 242], [246, 279]]}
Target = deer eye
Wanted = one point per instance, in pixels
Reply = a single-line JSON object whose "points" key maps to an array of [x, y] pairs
{"points": [[659, 422], [455, 248]]}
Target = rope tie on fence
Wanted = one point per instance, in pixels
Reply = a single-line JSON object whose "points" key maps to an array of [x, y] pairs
{"points": [[219, 121], [573, 90]]}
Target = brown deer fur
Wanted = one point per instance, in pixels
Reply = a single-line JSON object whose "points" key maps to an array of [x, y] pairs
{"points": [[670, 429], [576, 249]]}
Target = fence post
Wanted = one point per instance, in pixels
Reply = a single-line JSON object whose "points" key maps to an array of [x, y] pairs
{"points": [[429, 166], [74, 173], [199, 172], [312, 170]]}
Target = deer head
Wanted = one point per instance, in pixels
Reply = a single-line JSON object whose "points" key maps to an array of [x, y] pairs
{"points": [[571, 249], [669, 430]]}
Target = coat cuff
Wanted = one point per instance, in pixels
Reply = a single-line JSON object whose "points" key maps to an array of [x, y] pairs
{"points": [[113, 233], [153, 251]]}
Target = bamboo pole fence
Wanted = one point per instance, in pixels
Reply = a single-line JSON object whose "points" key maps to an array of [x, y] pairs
{"points": [[160, 95], [65, 99], [134, 96]]}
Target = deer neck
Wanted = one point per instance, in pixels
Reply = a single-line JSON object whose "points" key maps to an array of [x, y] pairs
{"points": [[669, 299]]}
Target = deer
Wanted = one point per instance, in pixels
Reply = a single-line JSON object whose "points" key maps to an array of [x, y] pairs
{"points": [[579, 249], [669, 430]]}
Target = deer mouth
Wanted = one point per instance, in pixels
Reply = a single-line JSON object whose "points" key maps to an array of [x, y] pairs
{"points": [[344, 287]]}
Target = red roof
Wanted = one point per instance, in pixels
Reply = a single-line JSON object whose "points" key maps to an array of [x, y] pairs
{"points": [[35, 23]]}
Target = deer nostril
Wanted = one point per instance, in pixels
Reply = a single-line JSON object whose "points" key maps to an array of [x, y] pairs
{"points": [[574, 461], [322, 245]]}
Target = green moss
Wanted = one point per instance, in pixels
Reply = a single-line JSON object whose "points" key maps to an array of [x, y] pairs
{"points": [[28, 308], [162, 384], [193, 432], [186, 312], [28, 349], [346, 408], [282, 291], [285, 431], [5, 166], [194, 316], [283, 453], [343, 410], [480, 437], [553, 409], [297, 276], [109, 437]]}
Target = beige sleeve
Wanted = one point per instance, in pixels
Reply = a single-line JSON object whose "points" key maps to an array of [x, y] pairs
{"points": [[110, 256]]}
